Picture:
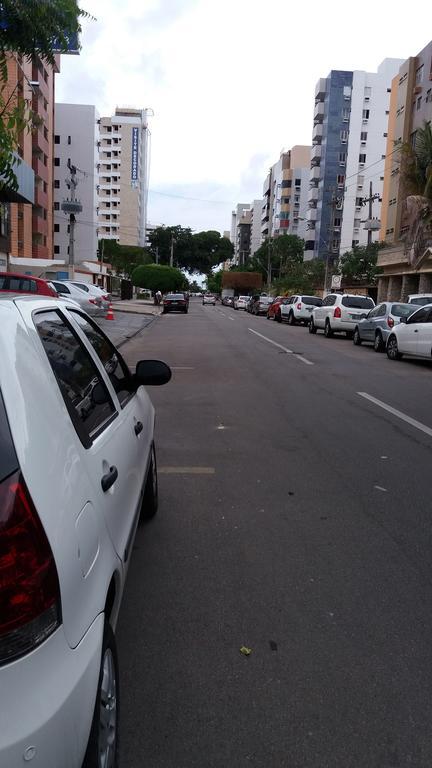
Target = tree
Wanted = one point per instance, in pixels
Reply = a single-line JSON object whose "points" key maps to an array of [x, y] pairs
{"points": [[360, 264], [214, 282], [285, 251], [124, 258], [161, 239], [29, 29], [305, 277], [198, 252], [209, 250], [416, 186], [159, 277]]}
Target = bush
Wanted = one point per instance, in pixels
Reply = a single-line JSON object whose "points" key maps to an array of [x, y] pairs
{"points": [[157, 277]]}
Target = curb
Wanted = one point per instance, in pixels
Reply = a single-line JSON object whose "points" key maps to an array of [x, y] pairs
{"points": [[135, 312], [135, 333]]}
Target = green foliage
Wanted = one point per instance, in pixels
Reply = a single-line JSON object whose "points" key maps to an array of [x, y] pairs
{"points": [[360, 264], [285, 251], [198, 252], [301, 277], [124, 258], [214, 282], [416, 163], [209, 250], [159, 277]]}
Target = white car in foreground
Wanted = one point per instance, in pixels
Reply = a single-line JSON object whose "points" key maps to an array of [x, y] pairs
{"points": [[413, 335], [77, 469], [340, 313]]}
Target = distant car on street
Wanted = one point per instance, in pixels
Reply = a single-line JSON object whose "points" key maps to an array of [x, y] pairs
{"points": [[340, 313], [208, 298], [174, 302], [378, 324], [298, 309], [228, 301], [241, 302], [413, 335]]}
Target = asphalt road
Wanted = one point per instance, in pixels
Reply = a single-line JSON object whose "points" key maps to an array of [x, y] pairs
{"points": [[124, 326], [295, 520]]}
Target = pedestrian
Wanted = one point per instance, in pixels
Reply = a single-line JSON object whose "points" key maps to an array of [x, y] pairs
{"points": [[158, 297]]}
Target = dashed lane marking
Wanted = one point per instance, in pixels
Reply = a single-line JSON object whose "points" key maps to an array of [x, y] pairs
{"points": [[399, 414], [186, 470], [285, 349]]}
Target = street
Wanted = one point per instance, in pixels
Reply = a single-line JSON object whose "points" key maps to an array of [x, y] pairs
{"points": [[294, 520]]}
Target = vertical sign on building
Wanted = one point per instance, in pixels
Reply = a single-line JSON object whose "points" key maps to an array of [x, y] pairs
{"points": [[134, 169]]}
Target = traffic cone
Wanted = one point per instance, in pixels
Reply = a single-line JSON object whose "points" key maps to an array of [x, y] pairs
{"points": [[110, 313]]}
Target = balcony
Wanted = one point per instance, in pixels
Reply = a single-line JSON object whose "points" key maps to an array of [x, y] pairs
{"points": [[319, 112], [315, 175], [316, 155], [312, 214], [313, 195], [320, 89], [317, 133], [41, 197]]}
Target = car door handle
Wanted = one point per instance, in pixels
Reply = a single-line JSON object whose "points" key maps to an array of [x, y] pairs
{"points": [[415, 330], [138, 428], [109, 479]]}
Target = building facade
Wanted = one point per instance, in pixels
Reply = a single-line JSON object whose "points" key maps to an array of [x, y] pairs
{"points": [[349, 146], [285, 194], [255, 236], [406, 262], [76, 140], [123, 176], [238, 216]]}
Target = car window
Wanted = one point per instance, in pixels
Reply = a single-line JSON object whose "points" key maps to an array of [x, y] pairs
{"points": [[401, 310], [18, 284], [117, 370], [421, 316], [329, 301], [381, 311], [315, 301], [421, 300], [61, 287], [357, 302], [76, 374], [8, 459], [82, 286]]}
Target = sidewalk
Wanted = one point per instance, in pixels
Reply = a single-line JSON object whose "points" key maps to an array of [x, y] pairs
{"points": [[137, 307]]}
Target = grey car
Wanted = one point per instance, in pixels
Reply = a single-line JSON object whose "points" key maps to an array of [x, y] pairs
{"points": [[378, 324], [87, 302]]}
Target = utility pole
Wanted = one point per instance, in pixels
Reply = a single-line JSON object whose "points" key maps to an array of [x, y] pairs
{"points": [[172, 251], [372, 225], [269, 275], [71, 206], [334, 202]]}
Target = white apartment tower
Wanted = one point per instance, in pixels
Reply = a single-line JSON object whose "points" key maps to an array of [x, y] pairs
{"points": [[285, 194]]}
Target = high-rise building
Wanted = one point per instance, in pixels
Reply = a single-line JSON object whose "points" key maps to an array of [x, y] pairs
{"points": [[255, 237], [406, 262], [76, 141], [238, 215], [349, 146], [123, 182], [285, 193]]}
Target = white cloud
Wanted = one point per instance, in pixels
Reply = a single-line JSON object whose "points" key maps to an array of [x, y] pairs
{"points": [[231, 83]]}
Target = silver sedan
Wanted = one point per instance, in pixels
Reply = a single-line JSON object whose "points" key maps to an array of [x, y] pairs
{"points": [[378, 324], [89, 303]]}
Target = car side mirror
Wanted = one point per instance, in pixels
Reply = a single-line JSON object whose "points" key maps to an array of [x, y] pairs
{"points": [[152, 373]]}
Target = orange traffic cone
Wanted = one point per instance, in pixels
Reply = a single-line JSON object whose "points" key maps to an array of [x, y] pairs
{"points": [[110, 313]]}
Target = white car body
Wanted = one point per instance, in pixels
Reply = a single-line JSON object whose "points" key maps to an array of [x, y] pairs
{"points": [[89, 303], [209, 299], [420, 299], [413, 336], [48, 691], [340, 313], [241, 302], [298, 309], [93, 290]]}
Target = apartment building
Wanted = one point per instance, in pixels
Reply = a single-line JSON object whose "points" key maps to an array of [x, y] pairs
{"points": [[76, 136], [123, 176], [407, 260], [285, 194], [349, 141], [255, 235], [238, 216]]}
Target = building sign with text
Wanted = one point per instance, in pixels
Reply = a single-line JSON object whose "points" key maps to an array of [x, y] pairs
{"points": [[134, 169]]}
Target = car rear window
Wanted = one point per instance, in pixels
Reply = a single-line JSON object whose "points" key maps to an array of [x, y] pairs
{"points": [[314, 300], [266, 300], [8, 459], [175, 296], [18, 284], [401, 310], [420, 301], [357, 302]]}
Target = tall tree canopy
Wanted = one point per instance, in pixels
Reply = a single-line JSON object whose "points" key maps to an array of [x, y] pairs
{"points": [[159, 277], [285, 251], [123, 258], [198, 252], [360, 264]]}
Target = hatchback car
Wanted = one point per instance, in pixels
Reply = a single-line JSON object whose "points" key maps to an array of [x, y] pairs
{"points": [[241, 302], [77, 470], [298, 309], [174, 302], [274, 308], [413, 335], [259, 305], [339, 313], [208, 298], [378, 324], [90, 304], [16, 283]]}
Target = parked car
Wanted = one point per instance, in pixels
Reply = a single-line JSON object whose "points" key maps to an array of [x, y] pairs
{"points": [[208, 298], [16, 283], [174, 302], [420, 299], [76, 474], [259, 305], [339, 313], [298, 309], [378, 324], [274, 308], [94, 290], [228, 301], [413, 335], [241, 302], [90, 304]]}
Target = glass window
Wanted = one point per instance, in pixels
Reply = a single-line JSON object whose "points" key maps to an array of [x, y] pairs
{"points": [[8, 459], [315, 301], [357, 302], [110, 358], [401, 310], [60, 287], [76, 374], [381, 311], [421, 300], [421, 316]]}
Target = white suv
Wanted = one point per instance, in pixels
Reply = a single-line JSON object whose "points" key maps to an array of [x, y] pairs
{"points": [[298, 309], [77, 468], [340, 312]]}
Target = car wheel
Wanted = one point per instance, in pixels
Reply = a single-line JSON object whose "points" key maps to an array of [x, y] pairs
{"points": [[103, 744], [328, 333], [393, 349], [379, 342], [278, 317], [357, 338], [312, 327], [291, 319], [149, 505]]}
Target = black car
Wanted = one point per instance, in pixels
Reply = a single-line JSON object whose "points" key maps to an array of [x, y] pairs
{"points": [[175, 302]]}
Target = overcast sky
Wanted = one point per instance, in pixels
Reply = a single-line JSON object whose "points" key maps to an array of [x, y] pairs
{"points": [[231, 83]]}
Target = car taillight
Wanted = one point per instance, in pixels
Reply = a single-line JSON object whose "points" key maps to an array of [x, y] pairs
{"points": [[337, 312], [93, 301], [299, 306], [105, 298], [167, 301], [390, 322], [29, 587]]}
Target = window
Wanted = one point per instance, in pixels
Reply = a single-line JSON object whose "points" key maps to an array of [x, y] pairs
{"points": [[366, 113], [340, 180], [363, 136], [337, 221], [346, 114], [76, 375], [56, 184], [329, 301], [45, 133], [344, 137], [357, 302], [362, 158], [18, 284], [117, 370], [422, 316], [56, 250], [419, 74], [357, 223], [56, 206], [298, 182], [360, 182], [56, 139], [347, 92], [286, 183], [428, 96], [57, 161], [419, 101], [56, 227], [385, 135], [69, 140], [45, 187], [342, 158]]}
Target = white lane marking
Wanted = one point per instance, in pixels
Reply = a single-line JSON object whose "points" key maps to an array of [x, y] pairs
{"points": [[380, 488], [186, 470], [399, 414], [182, 368], [285, 349]]}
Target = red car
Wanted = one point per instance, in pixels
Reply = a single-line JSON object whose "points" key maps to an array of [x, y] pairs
{"points": [[15, 283], [273, 309]]}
